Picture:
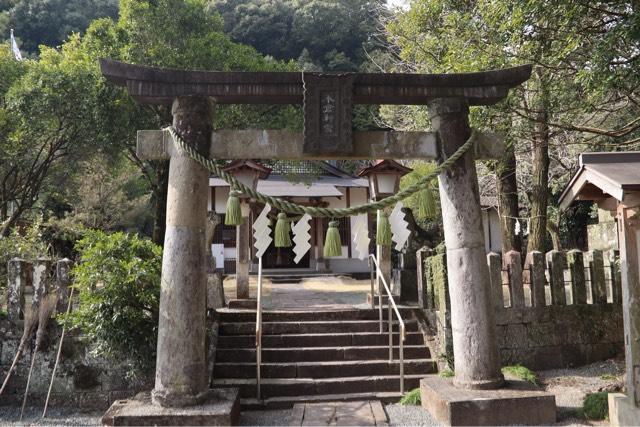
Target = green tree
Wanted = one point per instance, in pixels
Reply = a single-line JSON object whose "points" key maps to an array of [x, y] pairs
{"points": [[59, 110], [49, 124], [178, 34], [584, 56]]}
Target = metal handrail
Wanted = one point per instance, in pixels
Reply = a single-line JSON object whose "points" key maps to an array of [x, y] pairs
{"points": [[391, 304], [259, 328]]}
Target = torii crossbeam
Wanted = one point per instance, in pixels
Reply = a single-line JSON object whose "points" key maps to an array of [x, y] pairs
{"points": [[181, 370]]}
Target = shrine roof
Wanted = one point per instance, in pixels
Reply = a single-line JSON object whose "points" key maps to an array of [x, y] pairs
{"points": [[603, 175], [280, 186], [154, 85]]}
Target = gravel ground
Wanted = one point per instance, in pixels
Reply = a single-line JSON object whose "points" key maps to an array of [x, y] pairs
{"points": [[280, 417], [409, 416], [9, 415], [569, 385]]}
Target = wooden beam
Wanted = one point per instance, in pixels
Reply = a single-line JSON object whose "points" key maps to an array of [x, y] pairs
{"points": [[155, 85], [287, 145]]}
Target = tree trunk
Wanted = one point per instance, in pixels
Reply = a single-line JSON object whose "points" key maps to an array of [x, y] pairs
{"points": [[554, 232], [5, 227], [160, 196], [508, 201], [539, 170]]}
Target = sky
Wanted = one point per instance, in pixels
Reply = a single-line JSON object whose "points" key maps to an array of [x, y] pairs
{"points": [[399, 3]]}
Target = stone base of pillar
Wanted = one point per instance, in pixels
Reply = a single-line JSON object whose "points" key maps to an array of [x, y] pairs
{"points": [[222, 408], [517, 403], [622, 411]]}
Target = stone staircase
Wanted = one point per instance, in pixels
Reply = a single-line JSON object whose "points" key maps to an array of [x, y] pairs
{"points": [[315, 356]]}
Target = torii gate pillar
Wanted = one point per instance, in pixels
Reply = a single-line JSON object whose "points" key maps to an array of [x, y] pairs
{"points": [[477, 362], [181, 363]]}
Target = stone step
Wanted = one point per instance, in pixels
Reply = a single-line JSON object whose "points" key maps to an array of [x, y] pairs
{"points": [[319, 340], [319, 354], [283, 402], [319, 386], [310, 327], [330, 369], [228, 315]]}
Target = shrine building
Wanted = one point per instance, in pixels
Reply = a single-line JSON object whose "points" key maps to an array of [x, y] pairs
{"points": [[313, 183]]}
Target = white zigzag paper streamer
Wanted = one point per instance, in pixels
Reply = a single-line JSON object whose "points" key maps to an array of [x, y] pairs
{"points": [[399, 227], [262, 231], [301, 237], [361, 236]]}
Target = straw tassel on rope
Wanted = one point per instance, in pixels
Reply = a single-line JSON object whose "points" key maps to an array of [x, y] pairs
{"points": [[383, 235], [283, 231], [426, 202], [332, 243], [233, 215]]}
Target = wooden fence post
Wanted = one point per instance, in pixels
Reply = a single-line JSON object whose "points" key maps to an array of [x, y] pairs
{"points": [[18, 277], [422, 281], [495, 275], [575, 261], [616, 279], [62, 283], [596, 270], [513, 264], [555, 263], [535, 263]]}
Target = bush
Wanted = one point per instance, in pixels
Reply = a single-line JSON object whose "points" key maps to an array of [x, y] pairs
{"points": [[412, 398], [596, 406], [521, 372], [118, 279]]}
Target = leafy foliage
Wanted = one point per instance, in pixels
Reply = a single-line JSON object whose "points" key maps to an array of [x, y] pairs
{"points": [[596, 406], [412, 398], [582, 94], [118, 279]]}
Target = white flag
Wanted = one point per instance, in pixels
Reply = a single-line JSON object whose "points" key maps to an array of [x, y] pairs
{"points": [[15, 48]]}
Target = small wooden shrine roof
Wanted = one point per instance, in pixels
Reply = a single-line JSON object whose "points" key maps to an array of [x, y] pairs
{"points": [[602, 176]]}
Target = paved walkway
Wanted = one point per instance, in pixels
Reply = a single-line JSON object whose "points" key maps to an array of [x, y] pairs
{"points": [[365, 413], [318, 293]]}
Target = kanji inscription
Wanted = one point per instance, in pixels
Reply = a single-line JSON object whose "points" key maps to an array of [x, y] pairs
{"points": [[328, 102]]}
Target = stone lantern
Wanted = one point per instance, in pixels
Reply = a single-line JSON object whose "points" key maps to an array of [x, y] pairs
{"points": [[248, 173], [384, 177], [384, 181]]}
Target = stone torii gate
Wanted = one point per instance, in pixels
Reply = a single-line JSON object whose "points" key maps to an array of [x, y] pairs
{"points": [[181, 371]]}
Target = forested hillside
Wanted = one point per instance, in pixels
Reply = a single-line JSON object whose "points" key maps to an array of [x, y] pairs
{"points": [[50, 22], [67, 138]]}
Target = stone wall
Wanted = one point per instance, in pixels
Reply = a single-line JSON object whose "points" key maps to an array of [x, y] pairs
{"points": [[554, 310], [82, 380]]}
